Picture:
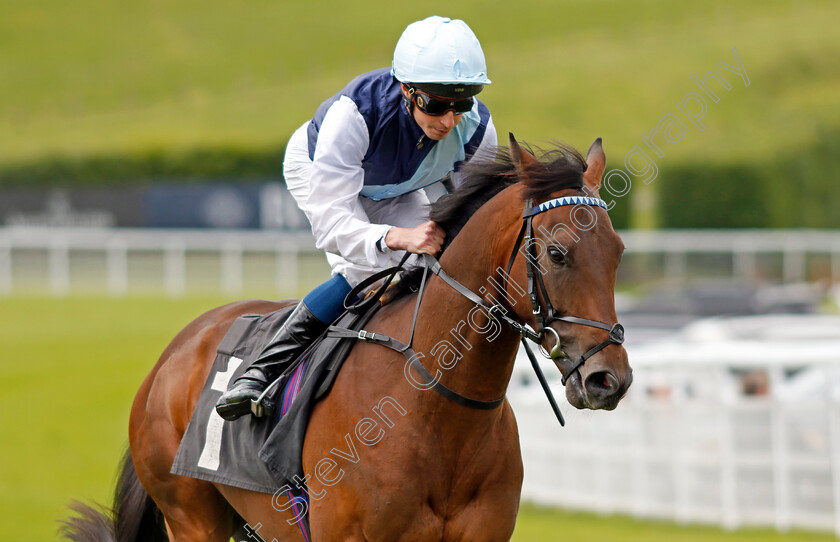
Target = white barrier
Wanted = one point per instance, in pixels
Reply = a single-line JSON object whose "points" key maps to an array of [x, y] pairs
{"points": [[49, 254], [743, 246], [749, 462], [55, 251], [709, 433]]}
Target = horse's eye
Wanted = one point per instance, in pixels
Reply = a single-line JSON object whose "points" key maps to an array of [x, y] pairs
{"points": [[557, 256]]}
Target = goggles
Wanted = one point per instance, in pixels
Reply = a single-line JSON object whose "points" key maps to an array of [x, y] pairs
{"points": [[432, 105]]}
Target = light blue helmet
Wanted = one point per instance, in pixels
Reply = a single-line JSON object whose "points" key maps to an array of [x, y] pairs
{"points": [[440, 51]]}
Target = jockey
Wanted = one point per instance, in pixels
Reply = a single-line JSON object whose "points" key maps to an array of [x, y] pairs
{"points": [[358, 170]]}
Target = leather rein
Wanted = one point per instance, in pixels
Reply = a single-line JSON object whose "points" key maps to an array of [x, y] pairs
{"points": [[544, 316]]}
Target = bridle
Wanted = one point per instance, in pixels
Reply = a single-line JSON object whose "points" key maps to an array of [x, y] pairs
{"points": [[546, 317], [536, 289]]}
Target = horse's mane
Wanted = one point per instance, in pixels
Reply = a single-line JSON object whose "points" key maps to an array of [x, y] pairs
{"points": [[558, 168]]}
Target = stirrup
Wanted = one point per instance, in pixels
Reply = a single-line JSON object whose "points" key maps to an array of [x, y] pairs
{"points": [[260, 410], [259, 406]]}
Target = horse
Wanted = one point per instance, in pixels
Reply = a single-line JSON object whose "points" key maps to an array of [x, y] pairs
{"points": [[408, 463]]}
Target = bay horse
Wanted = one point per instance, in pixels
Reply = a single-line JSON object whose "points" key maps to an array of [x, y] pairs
{"points": [[426, 468]]}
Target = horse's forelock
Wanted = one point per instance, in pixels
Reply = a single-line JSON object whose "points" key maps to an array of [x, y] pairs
{"points": [[559, 168]]}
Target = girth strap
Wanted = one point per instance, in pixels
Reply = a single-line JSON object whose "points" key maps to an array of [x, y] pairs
{"points": [[427, 378]]}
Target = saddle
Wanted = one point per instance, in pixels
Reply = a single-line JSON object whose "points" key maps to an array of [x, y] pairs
{"points": [[263, 454]]}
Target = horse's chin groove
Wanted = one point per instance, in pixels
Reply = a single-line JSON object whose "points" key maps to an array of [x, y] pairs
{"points": [[578, 397], [606, 405]]}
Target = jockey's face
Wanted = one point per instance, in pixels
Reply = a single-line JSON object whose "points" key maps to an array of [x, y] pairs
{"points": [[435, 127]]}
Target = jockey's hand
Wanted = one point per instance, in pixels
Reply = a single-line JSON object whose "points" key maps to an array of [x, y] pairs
{"points": [[427, 238]]}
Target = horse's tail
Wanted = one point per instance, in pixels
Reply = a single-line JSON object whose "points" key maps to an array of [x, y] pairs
{"points": [[134, 516]]}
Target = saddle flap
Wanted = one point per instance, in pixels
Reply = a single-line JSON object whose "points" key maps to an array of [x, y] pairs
{"points": [[242, 327]]}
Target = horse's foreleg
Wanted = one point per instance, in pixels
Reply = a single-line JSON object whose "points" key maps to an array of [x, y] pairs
{"points": [[196, 533], [193, 510], [267, 516]]}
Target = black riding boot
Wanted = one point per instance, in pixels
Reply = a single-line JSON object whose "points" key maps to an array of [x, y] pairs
{"points": [[296, 333]]}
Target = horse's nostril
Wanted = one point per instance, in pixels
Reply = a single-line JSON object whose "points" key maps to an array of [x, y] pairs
{"points": [[601, 384]]}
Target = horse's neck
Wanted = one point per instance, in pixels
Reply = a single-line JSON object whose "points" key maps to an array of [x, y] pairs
{"points": [[486, 347]]}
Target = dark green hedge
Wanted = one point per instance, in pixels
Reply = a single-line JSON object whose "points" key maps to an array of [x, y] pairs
{"points": [[199, 164], [800, 188], [712, 197]]}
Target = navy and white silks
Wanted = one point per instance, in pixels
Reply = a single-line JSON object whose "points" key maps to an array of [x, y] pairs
{"points": [[359, 167]]}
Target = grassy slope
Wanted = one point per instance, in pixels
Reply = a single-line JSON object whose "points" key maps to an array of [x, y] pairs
{"points": [[68, 372], [91, 77]]}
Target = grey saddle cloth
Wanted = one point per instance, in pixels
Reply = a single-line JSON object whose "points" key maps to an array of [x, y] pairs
{"points": [[260, 454]]}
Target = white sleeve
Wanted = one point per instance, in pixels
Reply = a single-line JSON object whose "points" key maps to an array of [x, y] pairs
{"points": [[490, 140], [339, 223], [486, 149]]}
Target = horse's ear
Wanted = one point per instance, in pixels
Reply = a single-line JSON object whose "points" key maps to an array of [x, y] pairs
{"points": [[596, 162], [521, 157]]}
